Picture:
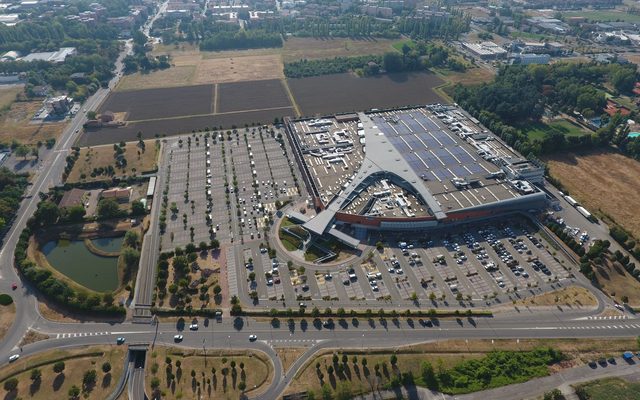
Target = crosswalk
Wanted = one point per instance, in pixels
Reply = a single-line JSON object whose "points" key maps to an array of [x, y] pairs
{"points": [[624, 326], [293, 341], [82, 334], [610, 317]]}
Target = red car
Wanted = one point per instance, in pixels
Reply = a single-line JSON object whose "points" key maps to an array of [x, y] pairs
{"points": [[14, 286]]}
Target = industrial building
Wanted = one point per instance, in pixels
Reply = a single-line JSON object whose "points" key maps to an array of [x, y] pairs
{"points": [[56, 57], [410, 168], [485, 50]]}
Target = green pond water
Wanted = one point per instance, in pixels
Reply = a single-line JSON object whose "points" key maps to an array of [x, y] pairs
{"points": [[73, 259]]}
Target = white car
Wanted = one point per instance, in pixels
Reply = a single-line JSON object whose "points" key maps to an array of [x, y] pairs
{"points": [[193, 327], [14, 357], [253, 338], [178, 338]]}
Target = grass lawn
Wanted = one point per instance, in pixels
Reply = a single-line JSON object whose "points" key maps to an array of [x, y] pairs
{"points": [[539, 129], [604, 15], [533, 36], [8, 95], [611, 388], [195, 379], [77, 361], [102, 156]]}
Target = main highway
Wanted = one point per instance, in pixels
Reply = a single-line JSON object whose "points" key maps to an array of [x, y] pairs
{"points": [[233, 333]]}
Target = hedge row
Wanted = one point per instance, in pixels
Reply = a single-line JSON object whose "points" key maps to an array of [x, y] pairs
{"points": [[56, 290], [566, 238]]}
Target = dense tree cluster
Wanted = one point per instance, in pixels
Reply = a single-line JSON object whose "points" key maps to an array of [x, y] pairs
{"points": [[369, 65], [244, 39], [413, 57], [140, 60], [498, 368], [521, 94], [96, 45], [12, 187]]}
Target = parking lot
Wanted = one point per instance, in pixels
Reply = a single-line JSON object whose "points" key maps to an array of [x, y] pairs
{"points": [[471, 264], [225, 186]]}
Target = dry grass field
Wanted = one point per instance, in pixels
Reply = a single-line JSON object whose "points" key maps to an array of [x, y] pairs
{"points": [[7, 315], [572, 296], [310, 48], [450, 353], [77, 361], [192, 67], [602, 181], [15, 123], [618, 283], [8, 95], [102, 156], [256, 370]]}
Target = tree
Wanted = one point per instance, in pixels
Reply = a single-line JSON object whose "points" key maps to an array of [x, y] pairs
{"points": [[203, 246], [394, 359], [217, 290], [92, 114], [74, 392], [215, 244], [106, 367], [107, 298], [75, 213], [155, 383], [392, 62], [137, 208], [36, 374], [89, 379], [624, 80], [242, 386], [130, 256], [107, 209], [131, 238], [11, 384], [47, 213], [58, 367], [428, 375], [21, 151]]}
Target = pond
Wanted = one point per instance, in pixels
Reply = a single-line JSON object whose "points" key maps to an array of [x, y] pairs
{"points": [[108, 244], [73, 259]]}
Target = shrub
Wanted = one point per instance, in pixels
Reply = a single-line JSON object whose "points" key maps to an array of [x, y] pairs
{"points": [[5, 299]]}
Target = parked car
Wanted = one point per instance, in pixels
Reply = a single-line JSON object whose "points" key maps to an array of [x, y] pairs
{"points": [[120, 340], [178, 338], [253, 338]]}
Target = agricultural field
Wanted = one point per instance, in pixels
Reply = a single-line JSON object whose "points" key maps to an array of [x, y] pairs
{"points": [[190, 66], [328, 94], [610, 388], [138, 161], [16, 124], [174, 126], [243, 96], [211, 375], [605, 182], [539, 130], [76, 362], [162, 103]]}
